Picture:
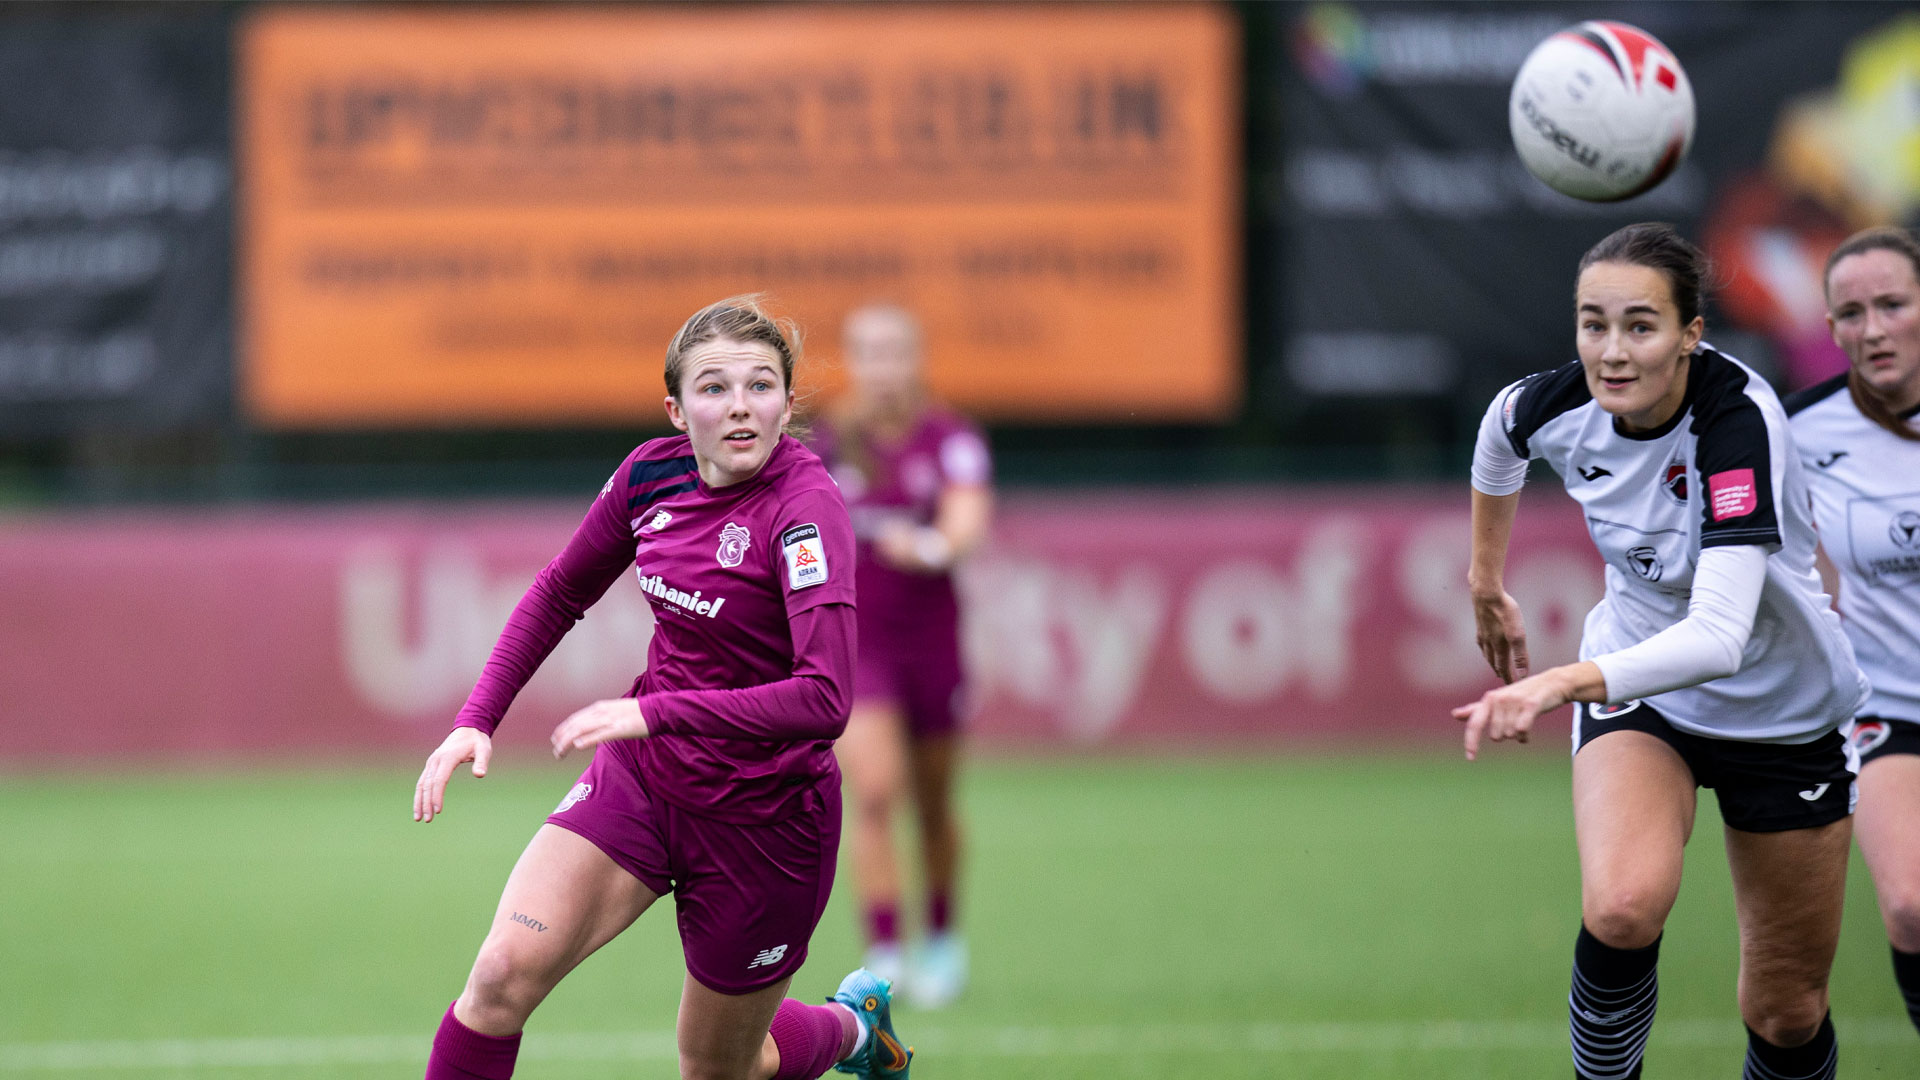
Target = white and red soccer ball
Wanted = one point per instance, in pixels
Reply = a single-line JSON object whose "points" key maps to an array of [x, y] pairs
{"points": [[1601, 111]]}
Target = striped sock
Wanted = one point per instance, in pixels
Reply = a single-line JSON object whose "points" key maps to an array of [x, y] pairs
{"points": [[1610, 1009], [1819, 1059], [1906, 972]]}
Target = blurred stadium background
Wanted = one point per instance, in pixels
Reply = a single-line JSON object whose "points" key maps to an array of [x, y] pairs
{"points": [[319, 326]]}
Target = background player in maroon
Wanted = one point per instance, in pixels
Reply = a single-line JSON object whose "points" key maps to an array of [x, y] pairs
{"points": [[714, 777], [915, 475]]}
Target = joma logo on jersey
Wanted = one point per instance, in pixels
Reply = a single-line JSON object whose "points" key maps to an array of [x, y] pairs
{"points": [[658, 589], [768, 957]]}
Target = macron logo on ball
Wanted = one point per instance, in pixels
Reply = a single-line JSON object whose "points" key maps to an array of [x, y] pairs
{"points": [[1732, 494]]}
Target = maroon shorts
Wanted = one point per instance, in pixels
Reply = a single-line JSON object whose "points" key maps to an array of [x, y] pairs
{"points": [[747, 896], [918, 674]]}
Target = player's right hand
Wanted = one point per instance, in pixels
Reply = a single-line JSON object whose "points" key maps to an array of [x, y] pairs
{"points": [[1502, 636], [463, 744]]}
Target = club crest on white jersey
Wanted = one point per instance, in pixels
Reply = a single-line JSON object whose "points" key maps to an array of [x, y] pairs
{"points": [[806, 556], [734, 541]]}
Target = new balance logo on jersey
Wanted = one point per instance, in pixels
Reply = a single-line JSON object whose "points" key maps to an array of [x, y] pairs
{"points": [[1827, 462], [1813, 794], [1595, 473], [768, 957]]}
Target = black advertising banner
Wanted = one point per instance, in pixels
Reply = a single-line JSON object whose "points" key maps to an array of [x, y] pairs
{"points": [[1417, 258], [115, 211]]}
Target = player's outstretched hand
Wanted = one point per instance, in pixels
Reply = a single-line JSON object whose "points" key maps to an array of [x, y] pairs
{"points": [[618, 718], [1508, 712], [463, 744], [1502, 635]]}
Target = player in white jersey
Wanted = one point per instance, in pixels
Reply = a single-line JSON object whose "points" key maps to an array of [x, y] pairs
{"points": [[1712, 660], [1859, 436]]}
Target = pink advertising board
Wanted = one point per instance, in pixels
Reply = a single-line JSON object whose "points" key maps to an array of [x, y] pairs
{"points": [[1127, 619]]}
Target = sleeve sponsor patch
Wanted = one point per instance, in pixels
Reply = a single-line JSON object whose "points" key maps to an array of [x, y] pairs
{"points": [[806, 556], [1732, 494]]}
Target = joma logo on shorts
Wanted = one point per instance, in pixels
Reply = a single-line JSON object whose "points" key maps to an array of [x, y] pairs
{"points": [[768, 957]]}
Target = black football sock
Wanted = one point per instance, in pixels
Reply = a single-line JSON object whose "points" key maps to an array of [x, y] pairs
{"points": [[1819, 1059], [1906, 972], [1611, 1007]]}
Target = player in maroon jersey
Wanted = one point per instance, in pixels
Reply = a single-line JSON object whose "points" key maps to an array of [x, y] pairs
{"points": [[714, 777], [916, 479]]}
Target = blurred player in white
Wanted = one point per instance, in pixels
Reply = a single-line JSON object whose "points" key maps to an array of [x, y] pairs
{"points": [[1859, 438], [1712, 660], [916, 477]]}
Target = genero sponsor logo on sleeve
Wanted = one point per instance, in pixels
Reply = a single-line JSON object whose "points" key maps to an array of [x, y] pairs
{"points": [[1732, 494], [447, 211], [806, 556]]}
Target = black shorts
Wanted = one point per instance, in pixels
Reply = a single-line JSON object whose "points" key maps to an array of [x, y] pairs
{"points": [[1763, 787], [1874, 737]]}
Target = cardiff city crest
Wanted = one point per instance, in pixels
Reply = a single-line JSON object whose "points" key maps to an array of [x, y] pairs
{"points": [[733, 545]]}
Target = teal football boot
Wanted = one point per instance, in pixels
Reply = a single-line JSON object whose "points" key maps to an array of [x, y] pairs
{"points": [[881, 1055]]}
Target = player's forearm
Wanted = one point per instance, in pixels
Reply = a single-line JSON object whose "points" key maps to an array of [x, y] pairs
{"points": [[560, 594], [963, 518], [1708, 644], [811, 704], [1492, 531]]}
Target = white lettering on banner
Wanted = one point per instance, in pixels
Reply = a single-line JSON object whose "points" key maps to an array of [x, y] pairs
{"points": [[414, 634], [1055, 639], [1249, 630], [1555, 589]]}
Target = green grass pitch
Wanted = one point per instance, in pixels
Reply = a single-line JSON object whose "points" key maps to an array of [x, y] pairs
{"points": [[1351, 916]]}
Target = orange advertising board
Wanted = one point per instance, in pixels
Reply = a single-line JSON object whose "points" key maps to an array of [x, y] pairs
{"points": [[499, 216]]}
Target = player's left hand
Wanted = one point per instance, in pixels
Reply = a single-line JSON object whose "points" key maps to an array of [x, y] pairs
{"points": [[1508, 712], [616, 719], [894, 545]]}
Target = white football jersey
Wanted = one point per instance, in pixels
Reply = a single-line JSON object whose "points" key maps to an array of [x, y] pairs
{"points": [[1866, 502], [1723, 471]]}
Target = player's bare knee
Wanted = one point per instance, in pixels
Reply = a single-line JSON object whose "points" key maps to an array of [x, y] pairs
{"points": [[1900, 910], [1625, 918], [1790, 1020], [875, 803], [506, 980]]}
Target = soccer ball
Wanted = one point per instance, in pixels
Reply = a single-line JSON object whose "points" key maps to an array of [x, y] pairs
{"points": [[1601, 111]]}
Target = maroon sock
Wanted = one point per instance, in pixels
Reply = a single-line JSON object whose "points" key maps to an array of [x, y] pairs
{"points": [[883, 924], [461, 1053], [811, 1038], [939, 912]]}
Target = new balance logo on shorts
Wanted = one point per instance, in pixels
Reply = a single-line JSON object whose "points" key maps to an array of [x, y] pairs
{"points": [[580, 791], [768, 957]]}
